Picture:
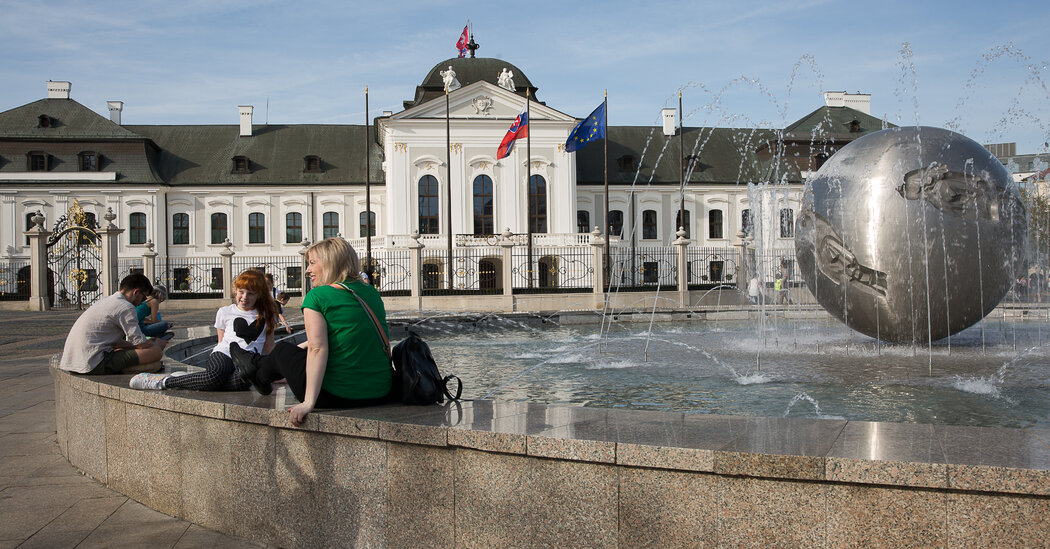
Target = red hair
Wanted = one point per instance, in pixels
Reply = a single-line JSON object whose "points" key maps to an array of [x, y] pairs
{"points": [[255, 282]]}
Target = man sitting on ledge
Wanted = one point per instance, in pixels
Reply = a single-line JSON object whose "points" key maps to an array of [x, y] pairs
{"points": [[106, 339]]}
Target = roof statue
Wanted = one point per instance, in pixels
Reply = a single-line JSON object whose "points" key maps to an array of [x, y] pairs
{"points": [[449, 78], [506, 79]]}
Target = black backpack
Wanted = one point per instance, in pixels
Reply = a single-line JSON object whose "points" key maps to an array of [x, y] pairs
{"points": [[416, 376]]}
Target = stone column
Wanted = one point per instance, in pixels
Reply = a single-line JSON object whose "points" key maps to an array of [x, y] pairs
{"points": [[227, 268], [743, 272], [149, 262], [38, 287], [598, 263], [507, 245], [415, 265], [110, 259], [681, 245], [303, 264]]}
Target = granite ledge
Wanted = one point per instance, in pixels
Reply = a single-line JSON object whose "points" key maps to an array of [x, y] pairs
{"points": [[909, 455]]}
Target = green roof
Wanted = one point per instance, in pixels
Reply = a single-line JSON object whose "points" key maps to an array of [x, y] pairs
{"points": [[836, 122], [69, 120], [468, 71]]}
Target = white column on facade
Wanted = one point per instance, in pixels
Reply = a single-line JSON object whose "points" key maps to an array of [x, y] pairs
{"points": [[11, 237]]}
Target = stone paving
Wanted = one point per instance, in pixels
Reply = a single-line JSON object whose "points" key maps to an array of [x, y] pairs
{"points": [[44, 501]]}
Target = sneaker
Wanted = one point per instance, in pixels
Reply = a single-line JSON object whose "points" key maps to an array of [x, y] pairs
{"points": [[246, 364], [150, 382]]}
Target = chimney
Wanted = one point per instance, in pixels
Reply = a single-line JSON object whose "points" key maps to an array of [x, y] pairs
{"points": [[115, 108], [858, 101], [58, 90], [670, 126], [246, 119]]}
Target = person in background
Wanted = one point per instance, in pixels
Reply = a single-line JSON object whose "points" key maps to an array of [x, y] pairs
{"points": [[148, 313], [343, 362], [754, 290], [282, 300], [248, 321], [106, 339]]}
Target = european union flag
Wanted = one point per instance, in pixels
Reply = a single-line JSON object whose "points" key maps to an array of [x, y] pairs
{"points": [[592, 127]]}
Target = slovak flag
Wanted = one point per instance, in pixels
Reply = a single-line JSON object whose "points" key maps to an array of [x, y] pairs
{"points": [[461, 44], [518, 130]]}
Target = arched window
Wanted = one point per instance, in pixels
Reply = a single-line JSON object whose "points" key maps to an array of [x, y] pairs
{"points": [[583, 221], [293, 228], [747, 222], [678, 222], [484, 222], [649, 225], [137, 228], [368, 224], [787, 223], [616, 223], [538, 204], [714, 224], [256, 228], [428, 205], [330, 224], [180, 228], [219, 228]]}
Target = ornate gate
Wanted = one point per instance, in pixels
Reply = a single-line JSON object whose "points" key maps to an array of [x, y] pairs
{"points": [[74, 260]]}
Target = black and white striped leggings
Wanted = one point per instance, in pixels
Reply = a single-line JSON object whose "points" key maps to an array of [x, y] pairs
{"points": [[218, 375]]}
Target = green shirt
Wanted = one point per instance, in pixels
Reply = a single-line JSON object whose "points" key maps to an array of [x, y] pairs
{"points": [[358, 367]]}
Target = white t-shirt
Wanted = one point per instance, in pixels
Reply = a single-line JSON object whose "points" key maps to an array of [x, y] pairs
{"points": [[109, 321], [224, 320]]}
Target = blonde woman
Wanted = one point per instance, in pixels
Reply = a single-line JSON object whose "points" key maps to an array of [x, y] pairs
{"points": [[343, 363]]}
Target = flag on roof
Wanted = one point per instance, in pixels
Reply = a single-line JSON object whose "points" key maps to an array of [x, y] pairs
{"points": [[461, 44], [518, 130], [589, 129]]}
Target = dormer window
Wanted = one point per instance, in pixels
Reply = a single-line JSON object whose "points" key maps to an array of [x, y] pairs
{"points": [[240, 164], [45, 121], [854, 126], [88, 161], [37, 161], [312, 164], [627, 163]]}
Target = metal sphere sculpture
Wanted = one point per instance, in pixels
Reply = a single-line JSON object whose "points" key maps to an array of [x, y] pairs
{"points": [[911, 234]]}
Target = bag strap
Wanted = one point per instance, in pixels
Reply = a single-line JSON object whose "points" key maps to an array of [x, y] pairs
{"points": [[375, 320]]}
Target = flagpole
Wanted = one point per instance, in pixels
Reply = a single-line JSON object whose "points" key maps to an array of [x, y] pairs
{"points": [[605, 167], [528, 179], [681, 164], [448, 182], [368, 199]]}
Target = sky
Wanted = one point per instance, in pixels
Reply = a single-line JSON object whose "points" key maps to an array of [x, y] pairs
{"points": [[980, 68]]}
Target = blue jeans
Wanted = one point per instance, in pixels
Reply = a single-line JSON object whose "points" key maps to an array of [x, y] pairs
{"points": [[156, 329]]}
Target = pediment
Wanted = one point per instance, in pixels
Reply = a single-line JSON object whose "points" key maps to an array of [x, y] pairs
{"points": [[480, 101]]}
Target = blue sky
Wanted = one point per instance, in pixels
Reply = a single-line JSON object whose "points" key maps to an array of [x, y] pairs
{"points": [[976, 67]]}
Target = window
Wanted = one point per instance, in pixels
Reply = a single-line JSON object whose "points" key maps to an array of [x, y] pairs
{"points": [[488, 274], [649, 225], [484, 222], [616, 223], [137, 228], [256, 228], [679, 223], [819, 159], [431, 276], [240, 164], [293, 277], [330, 225], [650, 272], [547, 271], [88, 162], [312, 164], [583, 221], [538, 204], [715, 270], [219, 228], [216, 278], [367, 220], [747, 222], [787, 223], [293, 228], [428, 205], [181, 278], [714, 224], [37, 162], [180, 228], [627, 163], [44, 121]]}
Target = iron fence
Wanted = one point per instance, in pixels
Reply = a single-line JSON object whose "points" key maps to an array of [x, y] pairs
{"points": [[711, 266], [14, 280], [287, 270], [391, 273], [553, 268], [644, 267], [189, 277], [127, 266]]}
